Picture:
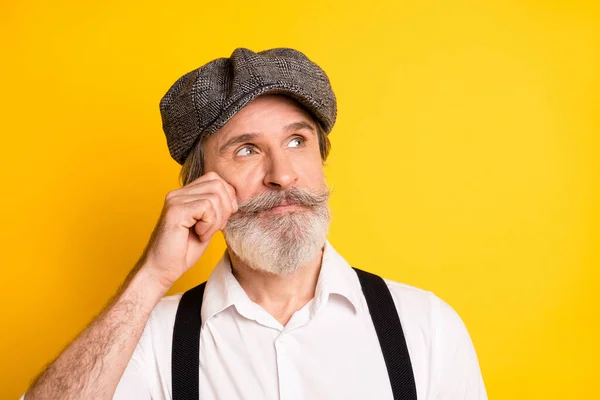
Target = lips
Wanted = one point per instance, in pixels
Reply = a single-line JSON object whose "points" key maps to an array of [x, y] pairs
{"points": [[284, 205]]}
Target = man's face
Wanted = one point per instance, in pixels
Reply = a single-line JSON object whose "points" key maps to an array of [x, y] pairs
{"points": [[269, 152], [271, 143]]}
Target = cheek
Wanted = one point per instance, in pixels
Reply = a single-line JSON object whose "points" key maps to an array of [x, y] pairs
{"points": [[311, 172], [247, 182]]}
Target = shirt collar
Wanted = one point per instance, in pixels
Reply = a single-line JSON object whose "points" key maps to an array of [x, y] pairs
{"points": [[335, 277]]}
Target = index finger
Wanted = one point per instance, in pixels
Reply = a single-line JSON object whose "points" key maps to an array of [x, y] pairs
{"points": [[228, 187]]}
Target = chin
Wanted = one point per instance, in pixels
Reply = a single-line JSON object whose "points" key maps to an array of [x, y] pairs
{"points": [[278, 244]]}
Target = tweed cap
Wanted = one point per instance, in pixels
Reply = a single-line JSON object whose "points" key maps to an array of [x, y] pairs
{"points": [[203, 100]]}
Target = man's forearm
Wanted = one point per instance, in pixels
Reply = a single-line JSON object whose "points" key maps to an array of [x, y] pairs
{"points": [[91, 366]]}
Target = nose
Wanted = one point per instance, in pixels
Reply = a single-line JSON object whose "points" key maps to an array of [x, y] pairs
{"points": [[280, 173]]}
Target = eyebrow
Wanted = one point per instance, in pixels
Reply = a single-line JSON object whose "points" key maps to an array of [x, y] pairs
{"points": [[294, 126]]}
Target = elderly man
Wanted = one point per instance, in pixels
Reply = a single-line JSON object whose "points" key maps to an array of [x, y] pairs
{"points": [[283, 315]]}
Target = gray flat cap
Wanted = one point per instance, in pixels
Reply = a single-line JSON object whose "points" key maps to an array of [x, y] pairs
{"points": [[203, 100]]}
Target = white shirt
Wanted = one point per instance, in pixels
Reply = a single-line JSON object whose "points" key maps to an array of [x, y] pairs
{"points": [[328, 350]]}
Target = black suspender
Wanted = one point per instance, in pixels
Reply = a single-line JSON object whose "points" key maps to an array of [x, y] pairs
{"points": [[185, 356], [389, 332]]}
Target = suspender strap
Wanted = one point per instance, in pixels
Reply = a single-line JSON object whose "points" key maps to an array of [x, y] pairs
{"points": [[185, 359], [389, 332], [185, 356]]}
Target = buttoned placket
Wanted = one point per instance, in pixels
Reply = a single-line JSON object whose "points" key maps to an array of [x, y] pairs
{"points": [[288, 381]]}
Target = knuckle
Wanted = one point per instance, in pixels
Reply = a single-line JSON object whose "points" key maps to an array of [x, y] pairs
{"points": [[221, 184], [210, 199], [224, 190], [215, 184], [183, 209], [205, 203], [171, 194]]}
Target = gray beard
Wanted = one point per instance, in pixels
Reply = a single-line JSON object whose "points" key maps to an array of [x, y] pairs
{"points": [[279, 244]]}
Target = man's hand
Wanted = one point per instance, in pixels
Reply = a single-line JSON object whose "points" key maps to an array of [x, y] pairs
{"points": [[190, 216], [91, 366]]}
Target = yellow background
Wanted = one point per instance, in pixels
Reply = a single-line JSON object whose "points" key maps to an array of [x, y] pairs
{"points": [[464, 161]]}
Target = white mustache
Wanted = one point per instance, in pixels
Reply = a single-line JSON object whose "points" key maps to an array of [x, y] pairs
{"points": [[273, 198]]}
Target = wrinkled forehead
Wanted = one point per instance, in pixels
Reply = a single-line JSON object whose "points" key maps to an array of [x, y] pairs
{"points": [[267, 115]]}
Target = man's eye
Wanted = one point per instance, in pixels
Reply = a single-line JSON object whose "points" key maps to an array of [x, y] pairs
{"points": [[297, 140], [244, 151]]}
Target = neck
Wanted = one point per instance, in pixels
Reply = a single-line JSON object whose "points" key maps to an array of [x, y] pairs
{"points": [[280, 295]]}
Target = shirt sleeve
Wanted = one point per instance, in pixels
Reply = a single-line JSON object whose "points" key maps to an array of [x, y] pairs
{"points": [[457, 370], [133, 383]]}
